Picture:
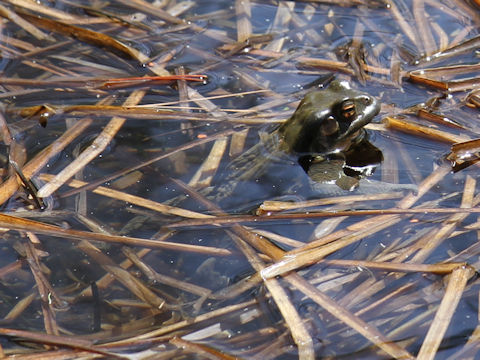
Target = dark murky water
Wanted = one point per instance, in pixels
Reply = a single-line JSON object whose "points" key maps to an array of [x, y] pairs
{"points": [[301, 31]]}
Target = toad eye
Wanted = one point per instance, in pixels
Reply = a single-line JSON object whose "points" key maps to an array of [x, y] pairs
{"points": [[347, 109]]}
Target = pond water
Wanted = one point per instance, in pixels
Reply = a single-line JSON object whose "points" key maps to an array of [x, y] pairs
{"points": [[163, 218]]}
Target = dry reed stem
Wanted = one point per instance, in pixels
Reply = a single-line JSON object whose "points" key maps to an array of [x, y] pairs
{"points": [[10, 15], [48, 296], [431, 180], [423, 131], [295, 324], [154, 276], [204, 103], [375, 288], [97, 146], [90, 64], [261, 244], [293, 320], [230, 220], [340, 66], [67, 341], [250, 80], [115, 175], [199, 349], [456, 285], [294, 25], [385, 299], [470, 348], [368, 331], [89, 36], [439, 119], [144, 6], [107, 279], [440, 78], [8, 187], [464, 150], [242, 237], [213, 97], [404, 25], [100, 83], [16, 223], [275, 205], [205, 173], [283, 16], [442, 35], [237, 143], [244, 26], [19, 308], [10, 268], [421, 17], [450, 224], [276, 237], [124, 277], [427, 243], [5, 131], [440, 269], [44, 10], [197, 320], [153, 112], [182, 89], [133, 199], [314, 251], [293, 261]]}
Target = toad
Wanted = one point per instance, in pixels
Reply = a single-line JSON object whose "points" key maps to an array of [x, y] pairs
{"points": [[327, 125], [321, 150]]}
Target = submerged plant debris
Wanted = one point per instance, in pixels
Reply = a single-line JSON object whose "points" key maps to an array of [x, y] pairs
{"points": [[118, 122]]}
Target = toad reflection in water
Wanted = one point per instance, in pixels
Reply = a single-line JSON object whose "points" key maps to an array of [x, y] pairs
{"points": [[321, 150]]}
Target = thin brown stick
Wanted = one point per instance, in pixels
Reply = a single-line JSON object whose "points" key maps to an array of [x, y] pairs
{"points": [[8, 188], [441, 269], [67, 341], [133, 199], [367, 330], [453, 293], [27, 26], [16, 223], [424, 31], [423, 131], [97, 146]]}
